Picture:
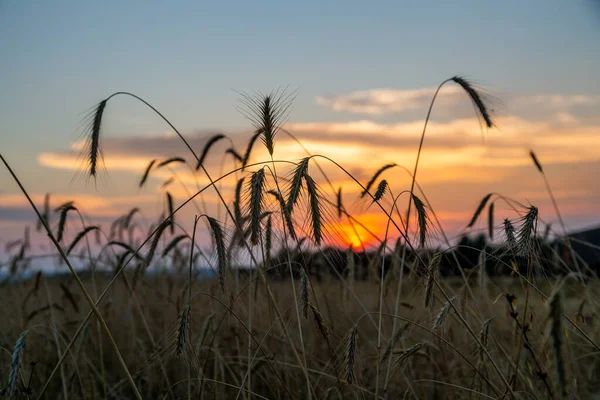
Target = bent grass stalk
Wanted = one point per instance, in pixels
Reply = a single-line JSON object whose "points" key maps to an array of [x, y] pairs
{"points": [[556, 209], [482, 110]]}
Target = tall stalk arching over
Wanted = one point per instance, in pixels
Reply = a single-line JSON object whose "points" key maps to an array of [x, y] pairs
{"points": [[484, 112], [482, 109]]}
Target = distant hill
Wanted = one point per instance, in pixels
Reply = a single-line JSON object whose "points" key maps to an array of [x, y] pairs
{"points": [[586, 245]]}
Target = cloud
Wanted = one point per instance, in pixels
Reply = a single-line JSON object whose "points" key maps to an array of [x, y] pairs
{"points": [[163, 144], [558, 194], [385, 101], [560, 101], [93, 206], [451, 100], [72, 161], [459, 142], [16, 214], [566, 118], [468, 128], [361, 145]]}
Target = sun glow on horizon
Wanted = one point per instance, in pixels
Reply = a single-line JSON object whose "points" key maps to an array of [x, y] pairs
{"points": [[362, 231]]}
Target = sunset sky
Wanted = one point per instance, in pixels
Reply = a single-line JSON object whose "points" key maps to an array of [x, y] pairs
{"points": [[364, 73]]}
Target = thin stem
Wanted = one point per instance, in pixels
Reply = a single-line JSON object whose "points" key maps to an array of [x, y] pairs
{"points": [[196, 218], [562, 223], [387, 227]]}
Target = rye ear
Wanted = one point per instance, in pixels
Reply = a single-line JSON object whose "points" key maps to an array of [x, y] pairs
{"points": [[479, 100]]}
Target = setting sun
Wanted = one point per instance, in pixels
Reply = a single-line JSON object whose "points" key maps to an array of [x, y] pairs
{"points": [[363, 231]]}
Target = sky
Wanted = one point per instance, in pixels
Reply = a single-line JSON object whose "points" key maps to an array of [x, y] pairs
{"points": [[362, 74]]}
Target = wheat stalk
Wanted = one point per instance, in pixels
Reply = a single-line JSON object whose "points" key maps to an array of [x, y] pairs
{"points": [[237, 200], [304, 291], [491, 221], [268, 242], [433, 267], [80, 236], [509, 232], [171, 213], [315, 208], [173, 244], [350, 266], [422, 219], [184, 323], [536, 161], [286, 215], [17, 353], [374, 178], [527, 231], [146, 173], [483, 338], [479, 209], [267, 113], [381, 187], [129, 217], [350, 354], [482, 269], [397, 335], [171, 160], [405, 354], [257, 183], [322, 327], [237, 214], [214, 139], [338, 205], [63, 209], [236, 156], [296, 184], [221, 252], [556, 305], [246, 157], [141, 267], [45, 214], [442, 314], [205, 328], [479, 100], [69, 296], [93, 140]]}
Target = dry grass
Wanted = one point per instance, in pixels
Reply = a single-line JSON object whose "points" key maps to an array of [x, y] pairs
{"points": [[219, 341]]}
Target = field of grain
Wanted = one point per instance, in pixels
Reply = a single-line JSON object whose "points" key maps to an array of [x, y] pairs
{"points": [[269, 307]]}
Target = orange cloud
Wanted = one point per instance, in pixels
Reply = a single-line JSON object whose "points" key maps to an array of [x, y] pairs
{"points": [[382, 101], [99, 206]]}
